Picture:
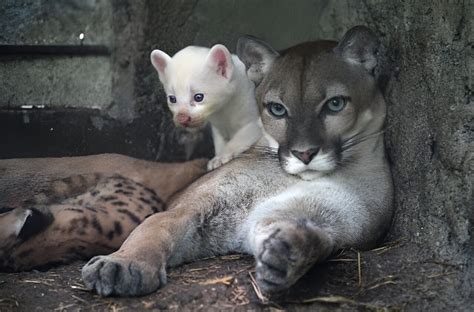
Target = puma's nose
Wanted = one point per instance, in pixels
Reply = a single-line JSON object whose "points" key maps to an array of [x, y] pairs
{"points": [[307, 155]]}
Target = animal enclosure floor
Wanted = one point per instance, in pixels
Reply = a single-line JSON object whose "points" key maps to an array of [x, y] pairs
{"points": [[384, 279]]}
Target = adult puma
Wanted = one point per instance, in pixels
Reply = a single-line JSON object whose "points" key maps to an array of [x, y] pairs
{"points": [[319, 181]]}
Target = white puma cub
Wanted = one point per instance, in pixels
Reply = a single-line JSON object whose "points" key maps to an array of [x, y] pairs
{"points": [[210, 85]]}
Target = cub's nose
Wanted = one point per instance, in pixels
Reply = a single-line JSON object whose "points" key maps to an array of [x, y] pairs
{"points": [[183, 119], [307, 155]]}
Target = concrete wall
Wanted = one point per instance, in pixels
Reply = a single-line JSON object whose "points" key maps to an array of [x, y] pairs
{"points": [[55, 80]]}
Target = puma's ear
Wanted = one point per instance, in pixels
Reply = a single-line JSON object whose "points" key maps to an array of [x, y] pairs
{"points": [[257, 56], [220, 60], [12, 221], [160, 61], [37, 221], [360, 46]]}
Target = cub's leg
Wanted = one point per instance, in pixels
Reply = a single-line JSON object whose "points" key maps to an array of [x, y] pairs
{"points": [[239, 143]]}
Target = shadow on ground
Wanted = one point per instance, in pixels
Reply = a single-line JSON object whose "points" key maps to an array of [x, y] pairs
{"points": [[383, 279]]}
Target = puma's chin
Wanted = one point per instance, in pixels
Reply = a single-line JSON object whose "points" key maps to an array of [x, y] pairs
{"points": [[321, 165]]}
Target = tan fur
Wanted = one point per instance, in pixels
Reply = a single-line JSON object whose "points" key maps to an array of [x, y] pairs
{"points": [[25, 177], [78, 207], [272, 202]]}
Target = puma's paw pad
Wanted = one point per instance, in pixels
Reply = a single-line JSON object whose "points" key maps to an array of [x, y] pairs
{"points": [[218, 161], [109, 275], [276, 263]]}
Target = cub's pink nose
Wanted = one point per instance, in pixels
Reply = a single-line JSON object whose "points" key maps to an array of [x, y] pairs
{"points": [[307, 155], [183, 119]]}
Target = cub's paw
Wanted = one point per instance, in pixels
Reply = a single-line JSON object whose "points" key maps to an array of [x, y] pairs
{"points": [[283, 257], [109, 275], [218, 161]]}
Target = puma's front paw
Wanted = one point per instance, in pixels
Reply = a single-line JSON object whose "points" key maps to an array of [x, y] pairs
{"points": [[218, 161], [109, 275], [286, 254]]}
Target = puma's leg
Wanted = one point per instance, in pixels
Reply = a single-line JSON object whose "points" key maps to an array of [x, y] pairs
{"points": [[285, 249], [139, 266]]}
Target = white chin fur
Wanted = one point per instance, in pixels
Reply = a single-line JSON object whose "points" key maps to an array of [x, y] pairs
{"points": [[320, 165]]}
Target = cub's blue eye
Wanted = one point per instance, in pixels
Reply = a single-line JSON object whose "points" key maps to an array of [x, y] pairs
{"points": [[172, 98], [198, 97], [336, 104], [276, 109]]}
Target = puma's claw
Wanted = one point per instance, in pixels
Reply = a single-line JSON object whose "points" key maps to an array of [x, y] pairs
{"points": [[109, 275]]}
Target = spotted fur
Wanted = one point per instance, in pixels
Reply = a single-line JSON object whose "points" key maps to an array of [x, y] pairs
{"points": [[82, 215]]}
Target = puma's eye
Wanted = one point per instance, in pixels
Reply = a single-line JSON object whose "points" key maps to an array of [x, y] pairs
{"points": [[336, 104], [276, 109], [172, 98], [198, 97]]}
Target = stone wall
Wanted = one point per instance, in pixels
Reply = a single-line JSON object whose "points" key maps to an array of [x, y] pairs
{"points": [[55, 79]]}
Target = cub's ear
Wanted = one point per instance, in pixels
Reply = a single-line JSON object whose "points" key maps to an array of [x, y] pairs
{"points": [[219, 59], [360, 46], [257, 55], [160, 61]]}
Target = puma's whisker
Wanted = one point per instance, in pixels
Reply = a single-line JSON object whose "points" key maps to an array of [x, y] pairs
{"points": [[359, 138]]}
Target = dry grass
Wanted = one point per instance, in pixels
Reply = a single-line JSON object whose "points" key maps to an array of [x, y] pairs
{"points": [[388, 246], [226, 280]]}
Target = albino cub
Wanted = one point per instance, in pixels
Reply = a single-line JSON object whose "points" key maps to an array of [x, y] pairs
{"points": [[210, 85]]}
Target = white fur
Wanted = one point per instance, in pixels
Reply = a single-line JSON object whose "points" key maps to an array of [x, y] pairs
{"points": [[229, 103], [320, 164], [323, 193]]}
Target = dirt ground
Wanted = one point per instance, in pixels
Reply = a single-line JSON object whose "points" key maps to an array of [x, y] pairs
{"points": [[383, 279]]}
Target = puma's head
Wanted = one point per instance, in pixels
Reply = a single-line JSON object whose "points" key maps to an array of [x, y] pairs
{"points": [[319, 101], [197, 82]]}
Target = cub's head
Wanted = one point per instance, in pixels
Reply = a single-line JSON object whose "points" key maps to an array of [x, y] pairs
{"points": [[197, 82], [319, 100]]}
